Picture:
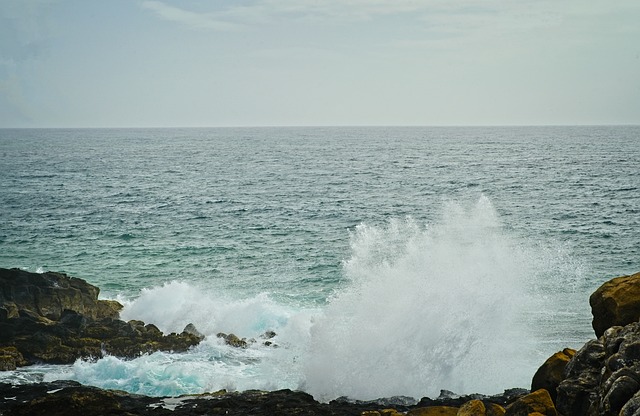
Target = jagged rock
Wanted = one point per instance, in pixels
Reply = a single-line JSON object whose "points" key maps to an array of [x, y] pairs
{"points": [[192, 330], [616, 303], [49, 294], [577, 392], [537, 402], [54, 318], [549, 375], [10, 359], [604, 376], [233, 340], [448, 398]]}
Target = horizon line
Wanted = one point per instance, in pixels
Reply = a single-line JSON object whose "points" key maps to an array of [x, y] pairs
{"points": [[320, 126]]}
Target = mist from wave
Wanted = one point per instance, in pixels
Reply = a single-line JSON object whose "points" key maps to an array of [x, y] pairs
{"points": [[454, 304]]}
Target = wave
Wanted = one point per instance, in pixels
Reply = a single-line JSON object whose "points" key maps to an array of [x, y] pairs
{"points": [[458, 304]]}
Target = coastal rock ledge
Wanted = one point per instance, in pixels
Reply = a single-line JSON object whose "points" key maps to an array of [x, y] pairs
{"points": [[53, 318]]}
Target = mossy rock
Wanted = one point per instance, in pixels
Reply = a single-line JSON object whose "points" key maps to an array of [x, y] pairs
{"points": [[616, 303], [539, 401], [550, 373]]}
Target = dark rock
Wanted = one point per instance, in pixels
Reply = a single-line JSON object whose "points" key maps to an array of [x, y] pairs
{"points": [[10, 359], [49, 294], [233, 340], [54, 318], [577, 392], [603, 378], [448, 398]]}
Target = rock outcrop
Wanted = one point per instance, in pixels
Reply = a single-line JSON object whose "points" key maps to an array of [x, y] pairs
{"points": [[54, 318], [70, 398], [49, 294]]}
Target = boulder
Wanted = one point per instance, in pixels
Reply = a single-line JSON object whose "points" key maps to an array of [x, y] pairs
{"points": [[538, 402], [472, 408], [616, 303], [550, 373]]}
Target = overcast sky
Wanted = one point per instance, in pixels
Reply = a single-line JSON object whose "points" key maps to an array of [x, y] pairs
{"points": [[134, 63]]}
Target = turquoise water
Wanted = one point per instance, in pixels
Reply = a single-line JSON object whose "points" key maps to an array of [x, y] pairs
{"points": [[388, 260]]}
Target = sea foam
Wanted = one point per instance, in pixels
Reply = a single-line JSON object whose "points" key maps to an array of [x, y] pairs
{"points": [[454, 304]]}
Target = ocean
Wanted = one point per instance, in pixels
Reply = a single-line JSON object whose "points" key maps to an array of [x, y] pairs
{"points": [[388, 260]]}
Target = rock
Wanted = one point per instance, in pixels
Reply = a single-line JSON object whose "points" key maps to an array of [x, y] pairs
{"points": [[70, 399], [577, 392], [448, 398], [10, 359], [494, 409], [190, 329], [54, 318], [537, 402], [632, 407], [603, 378], [433, 411], [616, 303], [550, 374], [620, 388], [233, 340], [472, 408], [49, 294]]}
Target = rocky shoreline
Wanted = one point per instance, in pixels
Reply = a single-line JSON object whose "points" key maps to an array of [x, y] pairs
{"points": [[54, 318]]}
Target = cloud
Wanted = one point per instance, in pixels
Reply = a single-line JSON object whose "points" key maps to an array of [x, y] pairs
{"points": [[194, 20], [24, 39]]}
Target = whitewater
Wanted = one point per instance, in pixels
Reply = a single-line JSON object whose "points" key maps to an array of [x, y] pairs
{"points": [[388, 261]]}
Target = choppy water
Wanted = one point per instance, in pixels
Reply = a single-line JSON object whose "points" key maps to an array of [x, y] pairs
{"points": [[388, 260]]}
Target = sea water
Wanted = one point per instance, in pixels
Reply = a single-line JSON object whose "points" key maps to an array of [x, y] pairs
{"points": [[389, 261]]}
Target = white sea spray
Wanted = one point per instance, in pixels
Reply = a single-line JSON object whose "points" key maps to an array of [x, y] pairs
{"points": [[430, 307]]}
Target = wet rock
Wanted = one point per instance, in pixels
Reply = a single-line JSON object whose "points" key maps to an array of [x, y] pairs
{"points": [[191, 329], [550, 374], [233, 340], [616, 303], [54, 318]]}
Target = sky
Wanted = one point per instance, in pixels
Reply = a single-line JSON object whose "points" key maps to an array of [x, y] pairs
{"points": [[196, 63]]}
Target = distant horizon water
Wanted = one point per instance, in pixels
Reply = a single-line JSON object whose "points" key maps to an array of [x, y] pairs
{"points": [[388, 260], [312, 126]]}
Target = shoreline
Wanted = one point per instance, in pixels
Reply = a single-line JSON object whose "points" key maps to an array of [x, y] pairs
{"points": [[54, 318]]}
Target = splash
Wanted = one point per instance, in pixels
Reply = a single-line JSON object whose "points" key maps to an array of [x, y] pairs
{"points": [[175, 304], [429, 308], [460, 304]]}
